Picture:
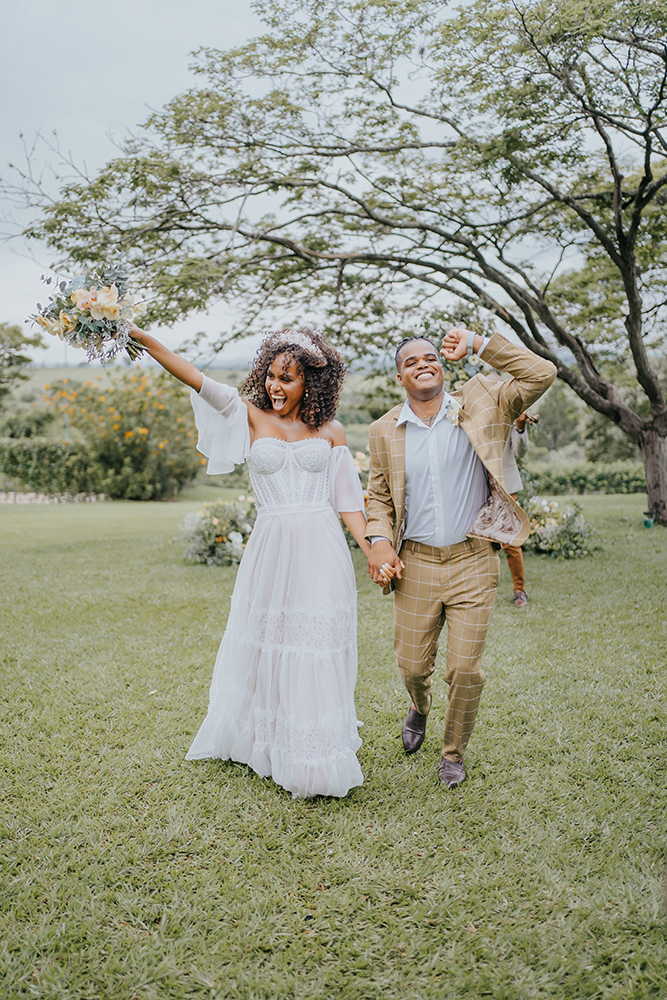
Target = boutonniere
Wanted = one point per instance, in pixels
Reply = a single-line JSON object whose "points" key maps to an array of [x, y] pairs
{"points": [[453, 411]]}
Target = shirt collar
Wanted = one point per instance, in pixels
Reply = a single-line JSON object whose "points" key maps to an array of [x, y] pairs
{"points": [[408, 416]]}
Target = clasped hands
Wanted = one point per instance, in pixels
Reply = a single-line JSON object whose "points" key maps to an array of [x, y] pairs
{"points": [[383, 563]]}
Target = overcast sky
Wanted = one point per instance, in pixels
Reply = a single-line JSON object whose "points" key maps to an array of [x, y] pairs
{"points": [[88, 71]]}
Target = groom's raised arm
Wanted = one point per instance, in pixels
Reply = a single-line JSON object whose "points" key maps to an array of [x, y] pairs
{"points": [[532, 375]]}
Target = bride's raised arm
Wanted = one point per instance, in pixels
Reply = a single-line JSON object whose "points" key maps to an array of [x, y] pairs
{"points": [[174, 363], [222, 417]]}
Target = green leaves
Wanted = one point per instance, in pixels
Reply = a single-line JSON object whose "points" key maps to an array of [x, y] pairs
{"points": [[13, 362], [370, 161]]}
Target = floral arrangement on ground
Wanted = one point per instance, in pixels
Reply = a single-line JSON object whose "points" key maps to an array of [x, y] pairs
{"points": [[558, 532], [218, 534]]}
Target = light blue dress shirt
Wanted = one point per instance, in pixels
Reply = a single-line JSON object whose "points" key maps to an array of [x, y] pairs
{"points": [[445, 481]]}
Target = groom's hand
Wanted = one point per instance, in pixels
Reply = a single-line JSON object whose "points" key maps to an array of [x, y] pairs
{"points": [[382, 557], [455, 344]]}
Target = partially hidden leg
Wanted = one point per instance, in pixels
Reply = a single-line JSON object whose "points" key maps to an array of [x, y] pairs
{"points": [[515, 562], [468, 614]]}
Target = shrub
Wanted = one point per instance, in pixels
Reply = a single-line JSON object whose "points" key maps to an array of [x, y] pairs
{"points": [[138, 433], [50, 467], [362, 465], [14, 363], [218, 534], [560, 533], [615, 477]]}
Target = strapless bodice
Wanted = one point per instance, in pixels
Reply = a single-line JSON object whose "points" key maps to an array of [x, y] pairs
{"points": [[290, 476]]}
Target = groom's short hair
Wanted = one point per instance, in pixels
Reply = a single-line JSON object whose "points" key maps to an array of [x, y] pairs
{"points": [[407, 340]]}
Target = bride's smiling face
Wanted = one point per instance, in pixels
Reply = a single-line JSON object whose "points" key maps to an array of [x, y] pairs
{"points": [[285, 385]]}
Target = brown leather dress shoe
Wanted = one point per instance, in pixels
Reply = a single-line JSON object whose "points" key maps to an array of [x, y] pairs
{"points": [[414, 730], [451, 772]]}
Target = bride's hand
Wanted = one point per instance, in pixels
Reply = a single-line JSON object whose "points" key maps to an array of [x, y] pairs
{"points": [[137, 334]]}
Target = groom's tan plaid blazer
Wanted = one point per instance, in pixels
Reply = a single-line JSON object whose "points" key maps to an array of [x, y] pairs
{"points": [[487, 411]]}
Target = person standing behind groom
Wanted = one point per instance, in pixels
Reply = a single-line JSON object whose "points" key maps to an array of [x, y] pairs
{"points": [[516, 446], [436, 495]]}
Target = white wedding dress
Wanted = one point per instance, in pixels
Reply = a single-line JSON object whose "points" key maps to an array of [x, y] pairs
{"points": [[282, 694]]}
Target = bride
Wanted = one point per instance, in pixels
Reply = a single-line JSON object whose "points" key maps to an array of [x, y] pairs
{"points": [[282, 694]]}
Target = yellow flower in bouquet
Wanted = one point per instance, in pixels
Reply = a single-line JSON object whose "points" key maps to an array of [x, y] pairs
{"points": [[84, 298], [105, 305], [67, 322]]}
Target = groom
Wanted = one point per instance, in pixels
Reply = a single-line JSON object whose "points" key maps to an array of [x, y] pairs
{"points": [[438, 511]]}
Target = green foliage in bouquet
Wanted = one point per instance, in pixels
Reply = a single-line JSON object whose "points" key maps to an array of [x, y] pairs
{"points": [[217, 535], [138, 432], [557, 532]]}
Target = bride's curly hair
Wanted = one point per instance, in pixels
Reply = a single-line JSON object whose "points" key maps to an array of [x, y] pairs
{"points": [[323, 370]]}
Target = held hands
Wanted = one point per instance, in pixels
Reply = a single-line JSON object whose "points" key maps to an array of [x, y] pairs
{"points": [[383, 563], [454, 345]]}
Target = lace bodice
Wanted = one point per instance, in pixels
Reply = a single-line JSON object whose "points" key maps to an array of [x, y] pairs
{"points": [[290, 476], [287, 476]]}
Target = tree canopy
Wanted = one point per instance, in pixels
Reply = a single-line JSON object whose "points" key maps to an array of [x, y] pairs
{"points": [[387, 161], [13, 361]]}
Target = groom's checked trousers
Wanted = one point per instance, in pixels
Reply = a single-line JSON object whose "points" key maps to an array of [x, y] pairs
{"points": [[456, 585]]}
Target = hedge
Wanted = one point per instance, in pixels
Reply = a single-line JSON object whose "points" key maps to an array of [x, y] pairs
{"points": [[591, 477], [50, 467]]}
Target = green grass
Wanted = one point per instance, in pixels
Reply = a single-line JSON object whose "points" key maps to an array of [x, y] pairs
{"points": [[129, 873]]}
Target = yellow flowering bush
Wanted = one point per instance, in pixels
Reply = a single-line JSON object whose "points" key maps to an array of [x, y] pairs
{"points": [[138, 430]]}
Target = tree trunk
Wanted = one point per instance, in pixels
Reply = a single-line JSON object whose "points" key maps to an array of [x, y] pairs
{"points": [[654, 449]]}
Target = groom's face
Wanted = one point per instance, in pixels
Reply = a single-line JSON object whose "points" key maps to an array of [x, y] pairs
{"points": [[419, 370]]}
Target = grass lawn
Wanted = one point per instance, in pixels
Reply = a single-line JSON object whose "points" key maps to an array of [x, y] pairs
{"points": [[128, 873]]}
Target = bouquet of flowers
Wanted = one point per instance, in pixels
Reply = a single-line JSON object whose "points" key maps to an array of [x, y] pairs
{"points": [[93, 311]]}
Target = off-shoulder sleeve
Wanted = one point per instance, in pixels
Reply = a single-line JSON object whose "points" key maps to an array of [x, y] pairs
{"points": [[222, 421], [345, 488]]}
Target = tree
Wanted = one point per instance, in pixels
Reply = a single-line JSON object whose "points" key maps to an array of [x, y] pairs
{"points": [[13, 362], [559, 422], [385, 159]]}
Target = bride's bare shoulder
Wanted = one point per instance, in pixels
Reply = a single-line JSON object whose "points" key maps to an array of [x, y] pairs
{"points": [[333, 430]]}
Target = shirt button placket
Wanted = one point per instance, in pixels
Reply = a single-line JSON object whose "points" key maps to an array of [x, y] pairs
{"points": [[437, 486]]}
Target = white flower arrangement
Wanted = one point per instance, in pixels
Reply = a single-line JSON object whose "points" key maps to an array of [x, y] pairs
{"points": [[218, 534], [557, 532], [93, 311]]}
